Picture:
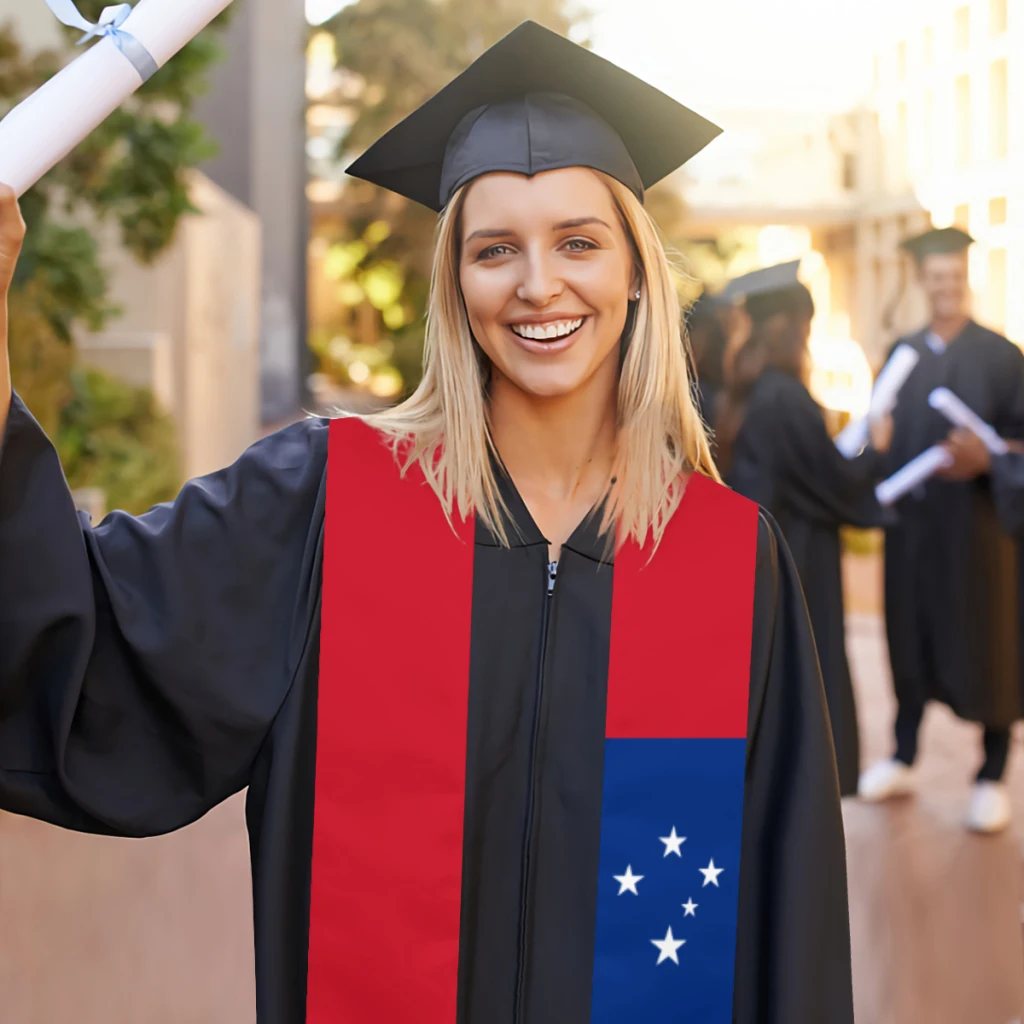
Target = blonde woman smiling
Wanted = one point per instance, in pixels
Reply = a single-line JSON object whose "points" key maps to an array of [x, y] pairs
{"points": [[526, 702]]}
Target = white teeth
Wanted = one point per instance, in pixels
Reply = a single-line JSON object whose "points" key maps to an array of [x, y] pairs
{"points": [[545, 332]]}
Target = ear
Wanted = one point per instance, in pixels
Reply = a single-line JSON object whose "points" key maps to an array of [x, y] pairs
{"points": [[635, 281]]}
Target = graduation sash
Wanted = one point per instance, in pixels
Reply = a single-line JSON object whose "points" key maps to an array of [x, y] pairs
{"points": [[386, 876]]}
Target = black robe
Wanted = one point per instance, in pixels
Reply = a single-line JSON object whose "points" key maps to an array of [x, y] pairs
{"points": [[150, 667], [950, 568], [785, 460]]}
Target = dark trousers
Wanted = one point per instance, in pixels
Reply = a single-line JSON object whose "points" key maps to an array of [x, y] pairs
{"points": [[996, 743]]}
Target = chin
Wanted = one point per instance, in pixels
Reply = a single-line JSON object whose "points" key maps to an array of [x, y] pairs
{"points": [[548, 383]]}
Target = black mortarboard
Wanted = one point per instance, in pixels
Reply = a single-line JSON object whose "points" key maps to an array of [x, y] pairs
{"points": [[771, 290], [936, 242], [535, 102], [761, 282]]}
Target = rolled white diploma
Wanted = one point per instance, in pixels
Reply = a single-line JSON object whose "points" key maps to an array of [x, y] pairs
{"points": [[46, 126], [854, 436], [960, 415], [912, 475]]}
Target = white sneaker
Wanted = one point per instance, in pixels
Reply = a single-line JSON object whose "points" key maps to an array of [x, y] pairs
{"points": [[885, 780], [989, 810]]}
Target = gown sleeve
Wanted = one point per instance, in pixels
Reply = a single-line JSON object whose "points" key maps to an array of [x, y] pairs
{"points": [[786, 458], [142, 661], [793, 949]]}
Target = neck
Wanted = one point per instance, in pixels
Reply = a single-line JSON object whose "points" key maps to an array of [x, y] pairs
{"points": [[561, 447], [949, 327]]}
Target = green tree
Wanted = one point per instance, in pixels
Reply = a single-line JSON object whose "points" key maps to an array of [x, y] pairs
{"points": [[398, 53], [130, 171]]}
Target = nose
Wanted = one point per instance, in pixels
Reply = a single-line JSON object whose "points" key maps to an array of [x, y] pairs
{"points": [[540, 284]]}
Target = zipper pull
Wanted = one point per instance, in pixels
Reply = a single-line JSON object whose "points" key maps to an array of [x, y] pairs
{"points": [[552, 576]]}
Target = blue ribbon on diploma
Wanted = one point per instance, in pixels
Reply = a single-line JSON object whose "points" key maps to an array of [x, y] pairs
{"points": [[109, 25]]}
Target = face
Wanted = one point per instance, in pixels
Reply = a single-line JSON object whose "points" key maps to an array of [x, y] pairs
{"points": [[944, 279], [547, 272]]}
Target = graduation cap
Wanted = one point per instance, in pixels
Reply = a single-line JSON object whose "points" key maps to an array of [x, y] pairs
{"points": [[535, 102], [936, 242], [770, 290]]}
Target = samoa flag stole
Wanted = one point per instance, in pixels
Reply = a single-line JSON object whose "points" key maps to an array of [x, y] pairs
{"points": [[674, 761], [386, 882]]}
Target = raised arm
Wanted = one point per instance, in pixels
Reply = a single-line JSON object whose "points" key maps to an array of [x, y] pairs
{"points": [[142, 661]]}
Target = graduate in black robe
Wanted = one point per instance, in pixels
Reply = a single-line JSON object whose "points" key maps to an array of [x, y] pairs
{"points": [[707, 342], [452, 744], [950, 568], [785, 460]]}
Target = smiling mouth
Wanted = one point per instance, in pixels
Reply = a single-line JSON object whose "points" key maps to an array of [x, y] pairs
{"points": [[553, 331]]}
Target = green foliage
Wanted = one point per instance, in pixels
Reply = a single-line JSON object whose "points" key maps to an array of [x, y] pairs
{"points": [[131, 171], [398, 53], [113, 436]]}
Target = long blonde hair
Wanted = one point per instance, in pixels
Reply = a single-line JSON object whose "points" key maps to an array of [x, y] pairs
{"points": [[443, 426]]}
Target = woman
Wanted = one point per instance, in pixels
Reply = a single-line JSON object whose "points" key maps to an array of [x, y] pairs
{"points": [[707, 342], [785, 459], [476, 790]]}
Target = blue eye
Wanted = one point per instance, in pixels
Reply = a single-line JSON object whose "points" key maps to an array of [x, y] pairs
{"points": [[579, 245], [501, 249]]}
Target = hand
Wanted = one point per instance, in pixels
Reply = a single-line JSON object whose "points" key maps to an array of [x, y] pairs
{"points": [[881, 433], [970, 456], [12, 233]]}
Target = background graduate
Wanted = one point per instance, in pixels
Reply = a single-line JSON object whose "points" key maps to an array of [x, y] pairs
{"points": [[478, 790], [784, 458], [707, 336], [950, 567]]}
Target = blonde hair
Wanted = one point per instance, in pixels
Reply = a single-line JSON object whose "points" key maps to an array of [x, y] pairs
{"points": [[443, 426]]}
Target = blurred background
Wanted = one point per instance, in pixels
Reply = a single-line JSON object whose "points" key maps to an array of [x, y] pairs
{"points": [[199, 272]]}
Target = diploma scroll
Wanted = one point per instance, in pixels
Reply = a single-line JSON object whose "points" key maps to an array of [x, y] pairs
{"points": [[854, 435], [943, 400], [912, 475], [133, 43]]}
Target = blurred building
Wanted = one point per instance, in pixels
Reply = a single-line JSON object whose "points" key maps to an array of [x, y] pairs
{"points": [[255, 111], [939, 141]]}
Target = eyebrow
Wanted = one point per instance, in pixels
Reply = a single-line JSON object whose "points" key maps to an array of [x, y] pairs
{"points": [[577, 222]]}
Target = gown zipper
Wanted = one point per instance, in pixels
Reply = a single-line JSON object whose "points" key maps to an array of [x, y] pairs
{"points": [[552, 576]]}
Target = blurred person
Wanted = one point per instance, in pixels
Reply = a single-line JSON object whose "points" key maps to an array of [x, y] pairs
{"points": [[950, 568], [784, 459], [477, 789], [707, 342]]}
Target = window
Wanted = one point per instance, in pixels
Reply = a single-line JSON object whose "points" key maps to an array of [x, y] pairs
{"points": [[997, 110], [927, 134], [962, 30], [962, 130], [929, 46], [997, 17], [849, 171], [997, 287], [902, 134], [997, 210], [962, 216], [901, 60]]}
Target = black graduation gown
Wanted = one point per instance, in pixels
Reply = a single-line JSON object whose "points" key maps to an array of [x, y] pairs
{"points": [[152, 666], [785, 460], [950, 568]]}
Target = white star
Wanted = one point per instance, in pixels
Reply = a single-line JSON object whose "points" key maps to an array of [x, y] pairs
{"points": [[690, 907], [668, 947], [711, 874], [627, 882], [673, 842]]}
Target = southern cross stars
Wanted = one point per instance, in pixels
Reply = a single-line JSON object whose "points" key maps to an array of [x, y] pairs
{"points": [[711, 874], [627, 882], [673, 843], [690, 907], [668, 946]]}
